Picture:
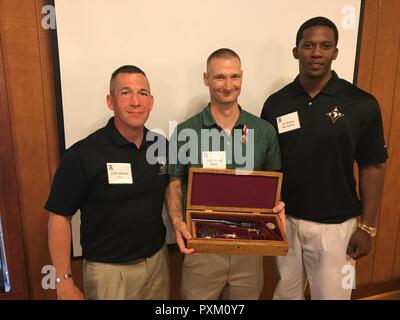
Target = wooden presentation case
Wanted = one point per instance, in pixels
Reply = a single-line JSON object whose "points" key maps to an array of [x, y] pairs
{"points": [[242, 201]]}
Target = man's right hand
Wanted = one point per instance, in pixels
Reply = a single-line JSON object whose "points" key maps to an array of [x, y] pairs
{"points": [[182, 233], [67, 290]]}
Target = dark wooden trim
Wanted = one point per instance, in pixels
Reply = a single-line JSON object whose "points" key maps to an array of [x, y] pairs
{"points": [[57, 88], [359, 39], [9, 200], [18, 295], [376, 288]]}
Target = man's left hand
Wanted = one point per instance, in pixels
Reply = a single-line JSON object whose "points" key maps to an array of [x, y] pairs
{"points": [[359, 245]]}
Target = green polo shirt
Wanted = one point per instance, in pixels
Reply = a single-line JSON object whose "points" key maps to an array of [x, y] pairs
{"points": [[252, 144]]}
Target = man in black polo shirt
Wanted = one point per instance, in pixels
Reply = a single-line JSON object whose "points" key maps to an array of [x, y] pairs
{"points": [[324, 124], [119, 187]]}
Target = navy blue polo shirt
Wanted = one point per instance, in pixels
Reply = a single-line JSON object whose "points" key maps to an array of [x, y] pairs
{"points": [[342, 124], [119, 222]]}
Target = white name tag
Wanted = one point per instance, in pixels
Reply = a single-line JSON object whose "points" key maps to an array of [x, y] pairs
{"points": [[119, 173], [214, 159], [288, 122]]}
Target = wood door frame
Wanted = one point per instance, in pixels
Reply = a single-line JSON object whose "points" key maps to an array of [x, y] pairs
{"points": [[9, 201]]}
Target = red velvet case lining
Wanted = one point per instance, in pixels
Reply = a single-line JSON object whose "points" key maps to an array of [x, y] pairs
{"points": [[225, 190], [240, 232]]}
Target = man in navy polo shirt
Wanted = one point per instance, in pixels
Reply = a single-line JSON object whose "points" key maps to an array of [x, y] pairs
{"points": [[119, 188], [324, 124]]}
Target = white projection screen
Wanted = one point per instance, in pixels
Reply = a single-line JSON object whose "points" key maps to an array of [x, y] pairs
{"points": [[170, 41]]}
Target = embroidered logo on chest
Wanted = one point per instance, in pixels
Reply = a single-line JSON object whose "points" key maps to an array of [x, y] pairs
{"points": [[335, 114]]}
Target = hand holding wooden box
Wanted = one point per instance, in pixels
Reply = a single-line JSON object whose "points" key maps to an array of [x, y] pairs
{"points": [[230, 212]]}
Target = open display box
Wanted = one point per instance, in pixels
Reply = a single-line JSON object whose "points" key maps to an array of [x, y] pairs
{"points": [[230, 212]]}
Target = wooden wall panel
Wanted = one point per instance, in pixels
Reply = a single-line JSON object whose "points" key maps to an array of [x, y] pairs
{"points": [[364, 81], [384, 65], [395, 168], [379, 74], [9, 201], [368, 41], [383, 87], [29, 86], [269, 279]]}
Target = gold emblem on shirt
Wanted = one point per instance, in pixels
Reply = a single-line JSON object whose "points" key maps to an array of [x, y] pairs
{"points": [[335, 114]]}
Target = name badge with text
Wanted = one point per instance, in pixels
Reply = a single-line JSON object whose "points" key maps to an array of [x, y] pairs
{"points": [[288, 122], [119, 173], [214, 159]]}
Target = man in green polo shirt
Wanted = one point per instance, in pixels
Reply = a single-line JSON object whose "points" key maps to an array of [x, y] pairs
{"points": [[223, 135]]}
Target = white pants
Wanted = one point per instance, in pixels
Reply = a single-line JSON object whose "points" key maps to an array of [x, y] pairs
{"points": [[317, 254]]}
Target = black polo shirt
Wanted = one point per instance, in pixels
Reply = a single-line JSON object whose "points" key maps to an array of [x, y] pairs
{"points": [[119, 222], [342, 124]]}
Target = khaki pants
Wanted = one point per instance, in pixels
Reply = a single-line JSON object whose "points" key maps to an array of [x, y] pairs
{"points": [[207, 276], [144, 279], [317, 253]]}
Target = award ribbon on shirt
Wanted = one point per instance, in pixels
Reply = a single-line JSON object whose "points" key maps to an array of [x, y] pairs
{"points": [[245, 132]]}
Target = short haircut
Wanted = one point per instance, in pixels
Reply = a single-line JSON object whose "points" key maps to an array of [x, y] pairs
{"points": [[317, 21], [222, 53], [125, 69]]}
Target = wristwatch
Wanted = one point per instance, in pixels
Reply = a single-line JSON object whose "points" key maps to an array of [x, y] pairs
{"points": [[63, 277], [370, 230]]}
